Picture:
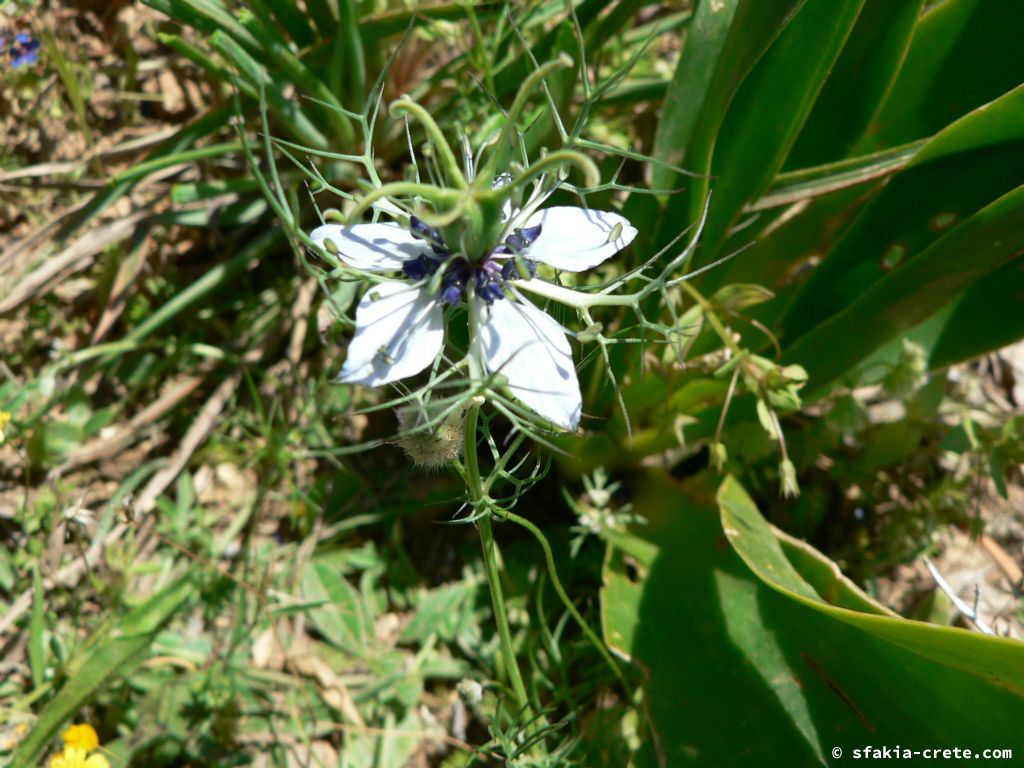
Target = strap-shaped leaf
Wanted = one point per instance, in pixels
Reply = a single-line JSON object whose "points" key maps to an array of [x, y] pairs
{"points": [[986, 241], [960, 170]]}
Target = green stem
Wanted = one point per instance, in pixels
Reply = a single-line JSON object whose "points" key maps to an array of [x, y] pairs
{"points": [[557, 583], [592, 177], [712, 318], [403, 106], [577, 299], [490, 549], [436, 195]]}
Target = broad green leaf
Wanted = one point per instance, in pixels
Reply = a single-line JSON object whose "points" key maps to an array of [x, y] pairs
{"points": [[770, 108], [986, 317], [859, 82], [444, 612], [784, 255], [824, 576], [342, 617], [712, 636], [986, 241], [995, 660], [964, 53], [689, 87], [110, 656], [956, 173], [809, 183], [983, 318], [755, 25]]}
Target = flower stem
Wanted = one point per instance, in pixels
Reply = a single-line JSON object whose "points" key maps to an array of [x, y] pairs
{"points": [[490, 550], [404, 106], [436, 195], [556, 582]]}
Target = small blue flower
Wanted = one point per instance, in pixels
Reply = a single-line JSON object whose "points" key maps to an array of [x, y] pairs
{"points": [[23, 50]]}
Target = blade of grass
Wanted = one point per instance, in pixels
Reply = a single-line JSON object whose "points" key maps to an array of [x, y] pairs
{"points": [[112, 655], [213, 279], [808, 183], [277, 54], [255, 78], [36, 630]]}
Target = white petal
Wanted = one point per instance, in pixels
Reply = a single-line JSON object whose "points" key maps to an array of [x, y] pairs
{"points": [[371, 247], [529, 348], [399, 331], [574, 239]]}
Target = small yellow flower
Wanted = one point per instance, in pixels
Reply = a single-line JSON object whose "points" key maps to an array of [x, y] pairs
{"points": [[79, 741], [82, 736], [5, 417], [73, 757]]}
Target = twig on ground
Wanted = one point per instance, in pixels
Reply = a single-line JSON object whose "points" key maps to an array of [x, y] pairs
{"points": [[965, 610], [105, 447], [197, 433]]}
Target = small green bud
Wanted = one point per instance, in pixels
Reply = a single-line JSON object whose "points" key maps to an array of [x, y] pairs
{"points": [[909, 373], [590, 333], [719, 456], [764, 415], [788, 485]]}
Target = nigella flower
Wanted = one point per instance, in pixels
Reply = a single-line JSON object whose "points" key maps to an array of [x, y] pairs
{"points": [[400, 323]]}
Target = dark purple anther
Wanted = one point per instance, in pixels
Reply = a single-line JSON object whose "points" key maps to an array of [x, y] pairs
{"points": [[420, 267], [453, 284], [489, 290], [451, 294], [509, 270], [521, 239], [488, 276], [424, 231]]}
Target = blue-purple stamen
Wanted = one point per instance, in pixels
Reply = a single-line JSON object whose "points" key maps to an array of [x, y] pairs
{"points": [[510, 269], [424, 231], [488, 276], [519, 240], [420, 267]]}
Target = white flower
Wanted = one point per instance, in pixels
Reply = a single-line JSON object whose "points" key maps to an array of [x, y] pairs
{"points": [[400, 323]]}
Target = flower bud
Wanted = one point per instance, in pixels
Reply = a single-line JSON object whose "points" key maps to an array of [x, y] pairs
{"points": [[431, 448]]}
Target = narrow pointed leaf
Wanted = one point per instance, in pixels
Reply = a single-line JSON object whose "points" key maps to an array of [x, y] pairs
{"points": [[770, 108], [986, 241], [964, 53], [960, 170], [859, 82]]}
